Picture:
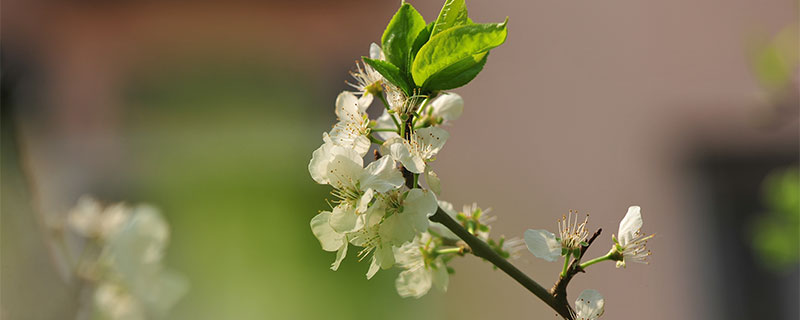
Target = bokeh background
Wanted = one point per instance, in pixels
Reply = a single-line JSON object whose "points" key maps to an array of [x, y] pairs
{"points": [[210, 110]]}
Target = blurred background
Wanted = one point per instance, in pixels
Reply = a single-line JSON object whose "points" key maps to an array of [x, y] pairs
{"points": [[210, 110]]}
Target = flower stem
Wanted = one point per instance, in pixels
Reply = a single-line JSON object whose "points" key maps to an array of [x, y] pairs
{"points": [[386, 105], [449, 250], [375, 140], [566, 265], [382, 130], [595, 260]]}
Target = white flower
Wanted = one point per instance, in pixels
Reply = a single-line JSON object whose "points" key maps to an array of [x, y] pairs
{"points": [[630, 242], [90, 219], [544, 244], [446, 107], [353, 127], [421, 270], [366, 76], [589, 305], [385, 122], [329, 238], [423, 146], [116, 303], [370, 239], [354, 185], [138, 248], [514, 247], [406, 214]]}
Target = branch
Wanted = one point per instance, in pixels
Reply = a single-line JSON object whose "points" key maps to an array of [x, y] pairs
{"points": [[559, 290], [482, 250]]}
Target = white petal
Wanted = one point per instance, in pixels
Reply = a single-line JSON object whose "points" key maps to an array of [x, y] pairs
{"points": [[413, 283], [543, 244], [434, 137], [343, 218], [347, 107], [339, 256], [382, 175], [419, 205], [433, 180], [449, 106], [373, 268], [589, 305], [630, 225], [399, 150], [364, 201], [344, 168], [328, 238], [85, 218], [318, 167], [375, 52], [363, 103], [397, 230], [441, 278], [385, 122]]}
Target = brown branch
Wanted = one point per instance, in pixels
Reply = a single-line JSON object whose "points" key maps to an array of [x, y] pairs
{"points": [[559, 289]]}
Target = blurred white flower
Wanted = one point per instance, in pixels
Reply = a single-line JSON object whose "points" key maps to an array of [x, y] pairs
{"points": [[630, 244], [406, 214], [370, 239], [91, 220], [589, 305]]}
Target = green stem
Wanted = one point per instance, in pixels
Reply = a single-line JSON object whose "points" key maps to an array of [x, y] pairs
{"points": [[566, 265], [449, 250], [375, 140], [383, 130], [595, 260], [421, 110], [388, 109]]}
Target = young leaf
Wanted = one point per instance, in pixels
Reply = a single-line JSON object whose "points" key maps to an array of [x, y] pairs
{"points": [[391, 73], [456, 51], [458, 74], [421, 39], [453, 14], [400, 34]]}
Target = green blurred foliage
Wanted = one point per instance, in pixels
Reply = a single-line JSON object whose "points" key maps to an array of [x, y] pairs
{"points": [[775, 62], [224, 150], [776, 236]]}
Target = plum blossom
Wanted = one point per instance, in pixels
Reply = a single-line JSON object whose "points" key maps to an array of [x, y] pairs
{"points": [[590, 305], [629, 243]]}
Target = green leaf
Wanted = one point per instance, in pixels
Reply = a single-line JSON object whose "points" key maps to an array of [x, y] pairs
{"points": [[391, 73], [453, 14], [457, 52], [400, 34], [458, 74], [421, 39]]}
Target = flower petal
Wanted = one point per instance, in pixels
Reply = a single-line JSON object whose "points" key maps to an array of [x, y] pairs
{"points": [[344, 168], [589, 305], [419, 205], [449, 106], [441, 278], [375, 52], [434, 137], [398, 148], [543, 244], [630, 225], [343, 218], [413, 282], [339, 256], [328, 238], [382, 175], [433, 180]]}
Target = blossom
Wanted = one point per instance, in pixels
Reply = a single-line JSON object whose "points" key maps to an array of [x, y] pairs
{"points": [[353, 127], [354, 185], [371, 240], [630, 244], [329, 238], [415, 152], [544, 244], [589, 305], [423, 268], [406, 214], [365, 75], [90, 219]]}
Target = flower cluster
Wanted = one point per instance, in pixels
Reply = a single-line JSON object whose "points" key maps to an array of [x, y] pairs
{"points": [[629, 246], [121, 260]]}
